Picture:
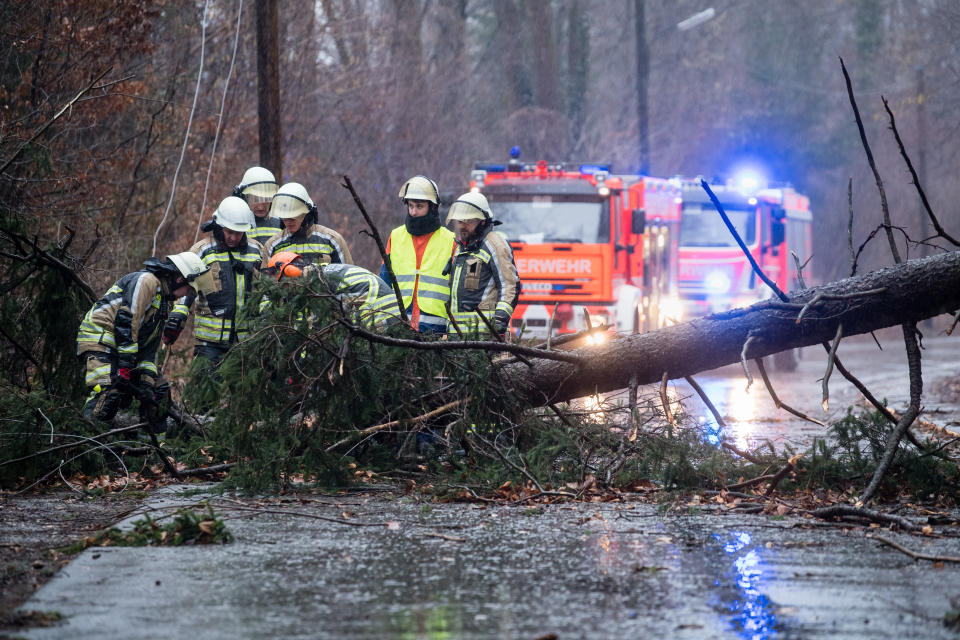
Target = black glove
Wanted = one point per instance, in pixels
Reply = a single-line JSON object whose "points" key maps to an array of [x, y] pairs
{"points": [[501, 322], [172, 329]]}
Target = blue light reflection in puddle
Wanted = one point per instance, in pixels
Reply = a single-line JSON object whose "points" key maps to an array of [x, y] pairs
{"points": [[748, 612]]}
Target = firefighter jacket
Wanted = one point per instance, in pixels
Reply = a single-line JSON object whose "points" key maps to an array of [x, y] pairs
{"points": [[216, 315], [424, 282], [266, 228], [316, 245], [484, 277], [362, 292], [127, 321]]}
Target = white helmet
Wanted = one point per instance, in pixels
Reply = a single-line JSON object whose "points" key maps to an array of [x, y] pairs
{"points": [[234, 214], [195, 272], [257, 184], [470, 206], [291, 201], [420, 188]]}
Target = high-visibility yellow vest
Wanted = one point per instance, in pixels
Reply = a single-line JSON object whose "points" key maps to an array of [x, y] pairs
{"points": [[433, 288]]}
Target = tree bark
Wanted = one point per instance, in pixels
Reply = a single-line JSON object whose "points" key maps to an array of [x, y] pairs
{"points": [[912, 291]]}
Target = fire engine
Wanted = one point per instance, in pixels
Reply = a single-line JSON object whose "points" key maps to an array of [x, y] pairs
{"points": [[586, 239], [714, 274]]}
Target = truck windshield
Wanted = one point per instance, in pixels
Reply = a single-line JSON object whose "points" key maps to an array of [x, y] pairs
{"points": [[702, 226], [552, 218]]}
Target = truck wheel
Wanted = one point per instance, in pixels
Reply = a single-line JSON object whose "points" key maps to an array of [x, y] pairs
{"points": [[785, 361]]}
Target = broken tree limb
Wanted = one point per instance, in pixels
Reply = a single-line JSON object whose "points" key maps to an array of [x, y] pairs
{"points": [[383, 252], [780, 475], [914, 290], [830, 360], [665, 399], [913, 410], [393, 423], [915, 554], [849, 511], [776, 399]]}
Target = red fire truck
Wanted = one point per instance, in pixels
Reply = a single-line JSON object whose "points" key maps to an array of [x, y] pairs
{"points": [[584, 238], [714, 275]]}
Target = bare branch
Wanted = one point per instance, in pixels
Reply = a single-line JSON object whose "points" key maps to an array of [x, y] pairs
{"points": [[913, 409], [743, 247], [665, 399], [853, 257], [873, 166], [776, 399], [454, 345], [916, 555], [830, 359], [916, 179], [39, 132], [383, 252]]}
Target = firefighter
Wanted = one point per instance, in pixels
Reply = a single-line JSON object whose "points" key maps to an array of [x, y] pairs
{"points": [[119, 336], [234, 260], [257, 188], [483, 272], [417, 252], [361, 292], [315, 243]]}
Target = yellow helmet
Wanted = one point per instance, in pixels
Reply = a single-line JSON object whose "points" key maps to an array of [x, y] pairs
{"points": [[291, 201], [257, 185], [420, 188], [470, 206]]}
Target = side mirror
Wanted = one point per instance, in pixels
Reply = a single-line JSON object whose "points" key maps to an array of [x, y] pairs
{"points": [[638, 221]]}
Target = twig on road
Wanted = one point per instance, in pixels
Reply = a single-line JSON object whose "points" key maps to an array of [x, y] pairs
{"points": [[916, 555]]}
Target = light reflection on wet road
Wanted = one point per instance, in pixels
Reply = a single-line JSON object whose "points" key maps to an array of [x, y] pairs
{"points": [[752, 417]]}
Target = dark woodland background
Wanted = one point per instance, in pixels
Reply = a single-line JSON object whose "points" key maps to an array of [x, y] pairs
{"points": [[384, 89]]}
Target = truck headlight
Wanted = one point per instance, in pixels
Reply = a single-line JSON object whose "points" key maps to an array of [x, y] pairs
{"points": [[717, 282]]}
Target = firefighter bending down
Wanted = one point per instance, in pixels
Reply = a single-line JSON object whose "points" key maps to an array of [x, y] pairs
{"points": [[417, 251], [119, 336], [234, 260], [483, 272], [363, 294]]}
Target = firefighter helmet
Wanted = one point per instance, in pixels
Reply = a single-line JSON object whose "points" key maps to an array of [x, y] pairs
{"points": [[186, 266], [470, 206], [420, 188], [234, 214], [257, 185], [291, 201], [285, 263]]}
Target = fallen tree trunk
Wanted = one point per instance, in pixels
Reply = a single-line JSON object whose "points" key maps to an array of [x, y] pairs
{"points": [[907, 292]]}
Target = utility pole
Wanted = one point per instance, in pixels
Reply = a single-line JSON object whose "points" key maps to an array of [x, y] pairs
{"points": [[643, 78], [268, 88]]}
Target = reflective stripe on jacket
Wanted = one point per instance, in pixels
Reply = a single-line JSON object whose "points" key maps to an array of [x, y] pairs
{"points": [[127, 320], [266, 228], [361, 291], [316, 245], [484, 277], [431, 285], [233, 275]]}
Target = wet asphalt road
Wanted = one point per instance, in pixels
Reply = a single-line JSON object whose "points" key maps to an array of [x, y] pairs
{"points": [[577, 571], [464, 571]]}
